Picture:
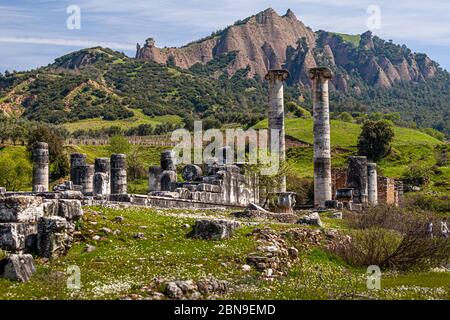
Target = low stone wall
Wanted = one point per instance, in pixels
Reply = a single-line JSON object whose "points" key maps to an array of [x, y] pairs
{"points": [[33, 223]]}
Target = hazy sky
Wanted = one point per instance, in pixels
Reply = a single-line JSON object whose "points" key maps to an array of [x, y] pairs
{"points": [[34, 32]]}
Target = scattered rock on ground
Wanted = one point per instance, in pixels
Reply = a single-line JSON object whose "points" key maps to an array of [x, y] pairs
{"points": [[312, 219], [17, 267], [213, 229], [90, 248]]}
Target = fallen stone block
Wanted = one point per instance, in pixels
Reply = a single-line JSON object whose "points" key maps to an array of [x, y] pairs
{"points": [[17, 267], [53, 238], [21, 209], [213, 229], [312, 219], [70, 209], [72, 195], [17, 236]]}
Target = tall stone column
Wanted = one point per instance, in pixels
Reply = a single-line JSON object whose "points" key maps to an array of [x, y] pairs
{"points": [[322, 141], [276, 80], [372, 178], [118, 174], [40, 167]]}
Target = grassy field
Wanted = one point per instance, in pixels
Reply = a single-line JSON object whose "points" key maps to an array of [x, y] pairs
{"points": [[167, 253], [138, 119]]}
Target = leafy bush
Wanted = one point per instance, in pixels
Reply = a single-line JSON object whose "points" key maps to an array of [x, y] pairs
{"points": [[428, 202], [392, 238], [417, 174], [119, 144]]}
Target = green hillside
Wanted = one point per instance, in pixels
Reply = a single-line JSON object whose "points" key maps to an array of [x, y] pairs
{"points": [[409, 147]]}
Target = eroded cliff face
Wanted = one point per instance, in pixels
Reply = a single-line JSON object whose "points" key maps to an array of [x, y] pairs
{"points": [[260, 41], [270, 41]]}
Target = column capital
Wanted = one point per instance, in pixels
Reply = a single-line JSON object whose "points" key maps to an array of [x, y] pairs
{"points": [[277, 74], [322, 72]]}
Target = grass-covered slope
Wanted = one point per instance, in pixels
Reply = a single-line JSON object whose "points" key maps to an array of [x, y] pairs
{"points": [[409, 147]]}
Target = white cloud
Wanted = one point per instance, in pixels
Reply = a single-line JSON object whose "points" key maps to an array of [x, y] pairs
{"points": [[68, 42]]}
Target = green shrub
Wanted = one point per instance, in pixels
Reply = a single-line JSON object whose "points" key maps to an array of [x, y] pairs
{"points": [[417, 174], [119, 144], [392, 238]]}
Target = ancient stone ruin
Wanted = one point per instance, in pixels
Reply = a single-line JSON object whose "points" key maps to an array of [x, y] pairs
{"points": [[42, 223], [322, 140]]}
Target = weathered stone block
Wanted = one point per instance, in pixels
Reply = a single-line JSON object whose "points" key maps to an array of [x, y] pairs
{"points": [[2, 190], [213, 229], [53, 239], [17, 267], [70, 209], [312, 219], [51, 207], [21, 209], [17, 236], [120, 197], [72, 195]]}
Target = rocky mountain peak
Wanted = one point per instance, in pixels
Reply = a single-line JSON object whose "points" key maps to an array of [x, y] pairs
{"points": [[267, 41]]}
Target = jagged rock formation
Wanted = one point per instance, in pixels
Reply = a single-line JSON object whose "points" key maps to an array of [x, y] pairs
{"points": [[269, 41], [260, 41]]}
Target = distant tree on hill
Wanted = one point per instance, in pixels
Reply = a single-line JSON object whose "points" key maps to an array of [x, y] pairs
{"points": [[119, 144], [15, 171], [54, 137], [346, 117], [375, 140]]}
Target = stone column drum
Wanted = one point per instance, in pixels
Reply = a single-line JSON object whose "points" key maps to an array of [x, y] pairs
{"points": [[118, 174], [76, 160], [357, 179], [102, 176], [168, 160], [372, 183], [322, 141], [86, 178], [276, 80], [154, 179], [40, 167]]}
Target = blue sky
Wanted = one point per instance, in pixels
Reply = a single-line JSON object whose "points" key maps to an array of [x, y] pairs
{"points": [[33, 32]]}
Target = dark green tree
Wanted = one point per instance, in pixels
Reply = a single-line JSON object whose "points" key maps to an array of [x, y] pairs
{"points": [[375, 139]]}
